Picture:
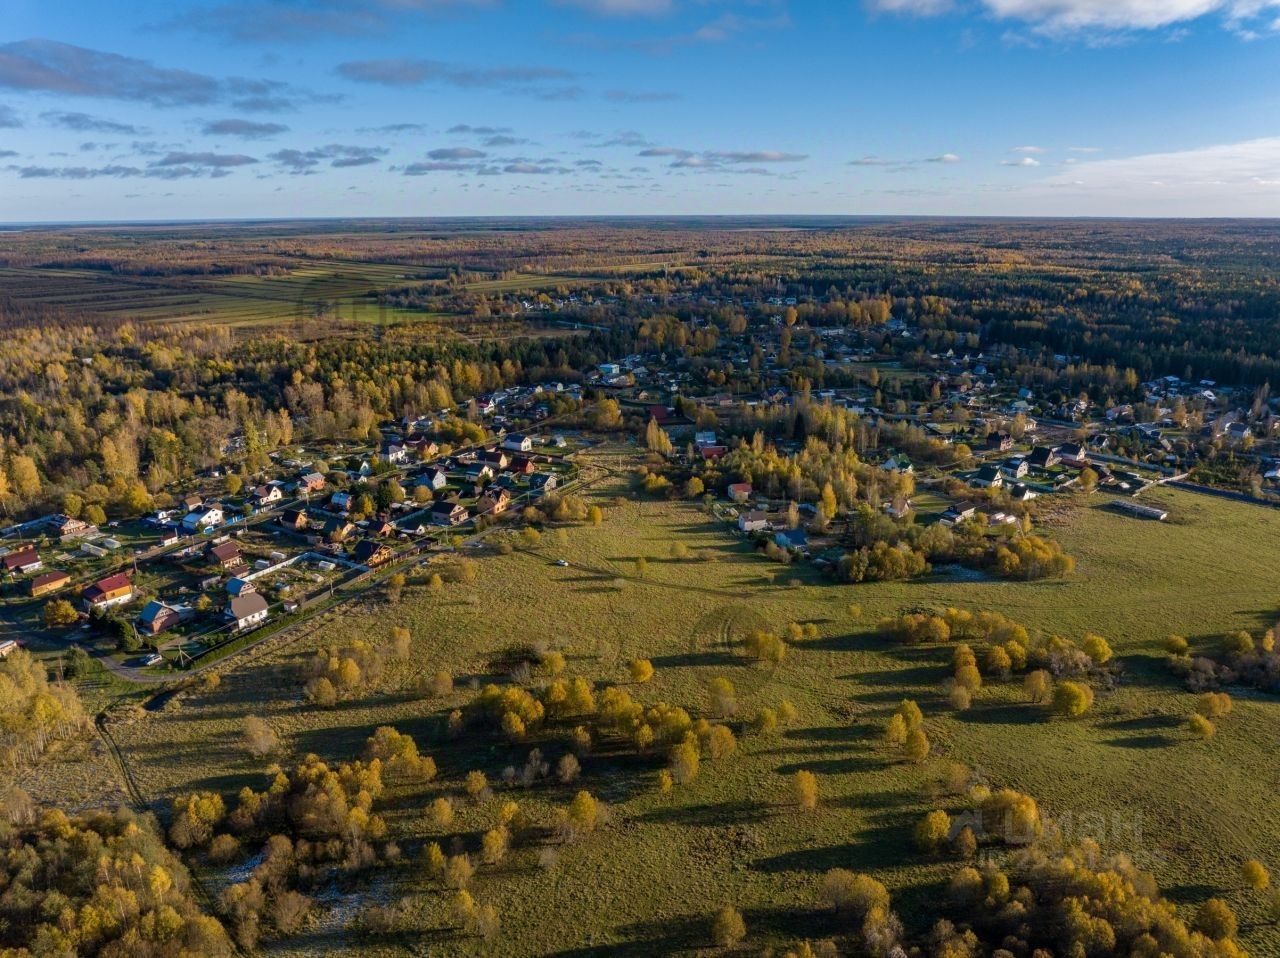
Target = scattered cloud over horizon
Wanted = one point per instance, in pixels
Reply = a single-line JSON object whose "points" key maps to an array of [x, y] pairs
{"points": [[721, 160], [297, 21], [1064, 17], [84, 123], [336, 155], [49, 66], [547, 83], [247, 129]]}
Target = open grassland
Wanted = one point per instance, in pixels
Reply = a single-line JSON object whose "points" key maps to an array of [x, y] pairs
{"points": [[1127, 774], [339, 290]]}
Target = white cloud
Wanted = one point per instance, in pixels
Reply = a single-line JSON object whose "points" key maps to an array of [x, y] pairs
{"points": [[1075, 16], [944, 158], [1231, 179], [621, 8], [1029, 150], [1025, 161]]}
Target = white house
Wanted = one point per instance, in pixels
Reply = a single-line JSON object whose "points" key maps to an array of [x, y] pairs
{"points": [[206, 517], [247, 610], [755, 521], [517, 443]]}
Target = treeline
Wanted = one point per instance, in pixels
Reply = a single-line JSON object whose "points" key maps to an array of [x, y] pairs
{"points": [[34, 712], [96, 884]]}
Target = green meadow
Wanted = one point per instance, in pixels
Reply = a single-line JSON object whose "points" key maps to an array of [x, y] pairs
{"points": [[1127, 774]]}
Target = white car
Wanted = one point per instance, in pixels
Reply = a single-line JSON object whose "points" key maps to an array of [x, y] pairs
{"points": [[563, 563]]}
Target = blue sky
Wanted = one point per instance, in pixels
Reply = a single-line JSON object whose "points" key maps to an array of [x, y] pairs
{"points": [[229, 108]]}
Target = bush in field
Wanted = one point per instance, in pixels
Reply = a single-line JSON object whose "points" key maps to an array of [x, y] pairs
{"points": [[641, 670], [916, 748], [728, 928], [1214, 705], [1255, 875], [1037, 685], [804, 789], [259, 738], [1072, 699], [931, 832], [855, 894], [1200, 726]]}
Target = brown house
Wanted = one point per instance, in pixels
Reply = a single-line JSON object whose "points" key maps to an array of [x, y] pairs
{"points": [[522, 466], [446, 513], [225, 555], [295, 519], [47, 582], [493, 502], [22, 560], [370, 553]]}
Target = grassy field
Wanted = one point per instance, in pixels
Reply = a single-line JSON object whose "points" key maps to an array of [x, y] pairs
{"points": [[1128, 774], [345, 291]]}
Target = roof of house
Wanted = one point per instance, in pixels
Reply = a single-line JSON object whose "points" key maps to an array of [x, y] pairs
{"points": [[366, 549], [225, 551], [243, 606], [112, 583], [988, 472], [25, 556], [793, 537], [153, 610], [48, 578]]}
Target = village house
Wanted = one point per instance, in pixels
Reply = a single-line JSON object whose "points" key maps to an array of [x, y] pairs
{"points": [[898, 464], [478, 471], [423, 448], [246, 611], [65, 527], [1000, 441], [372, 554], [238, 586], [1015, 468], [108, 593], [448, 513], [517, 443], [224, 555], [791, 539], [310, 482], [522, 466], [958, 512], [543, 482], [265, 495], [493, 502], [713, 452], [433, 479], [704, 438], [22, 561], [755, 521], [989, 477], [337, 529], [47, 582], [295, 519], [394, 453], [341, 501], [192, 502], [157, 617], [739, 491], [1043, 457], [203, 517], [1073, 455], [494, 458]]}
